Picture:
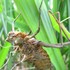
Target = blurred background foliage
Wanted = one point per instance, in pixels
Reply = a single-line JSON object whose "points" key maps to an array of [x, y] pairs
{"points": [[28, 20]]}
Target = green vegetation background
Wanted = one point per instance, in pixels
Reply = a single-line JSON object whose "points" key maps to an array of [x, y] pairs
{"points": [[28, 20]]}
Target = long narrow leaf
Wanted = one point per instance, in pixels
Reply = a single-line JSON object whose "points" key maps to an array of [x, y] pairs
{"points": [[4, 53], [29, 10], [56, 26]]}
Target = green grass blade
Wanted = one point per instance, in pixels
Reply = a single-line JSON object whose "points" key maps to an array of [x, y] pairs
{"points": [[56, 26], [54, 57], [29, 10], [69, 12], [4, 52]]}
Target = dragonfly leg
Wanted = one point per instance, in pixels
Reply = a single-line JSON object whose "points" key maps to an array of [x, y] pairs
{"points": [[38, 22]]}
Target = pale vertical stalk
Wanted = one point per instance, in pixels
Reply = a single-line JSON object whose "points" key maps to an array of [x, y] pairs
{"points": [[61, 38]]}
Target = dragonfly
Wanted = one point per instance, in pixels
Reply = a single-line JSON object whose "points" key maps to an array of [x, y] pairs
{"points": [[30, 48]]}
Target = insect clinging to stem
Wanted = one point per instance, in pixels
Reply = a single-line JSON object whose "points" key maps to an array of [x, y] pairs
{"points": [[30, 47]]}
